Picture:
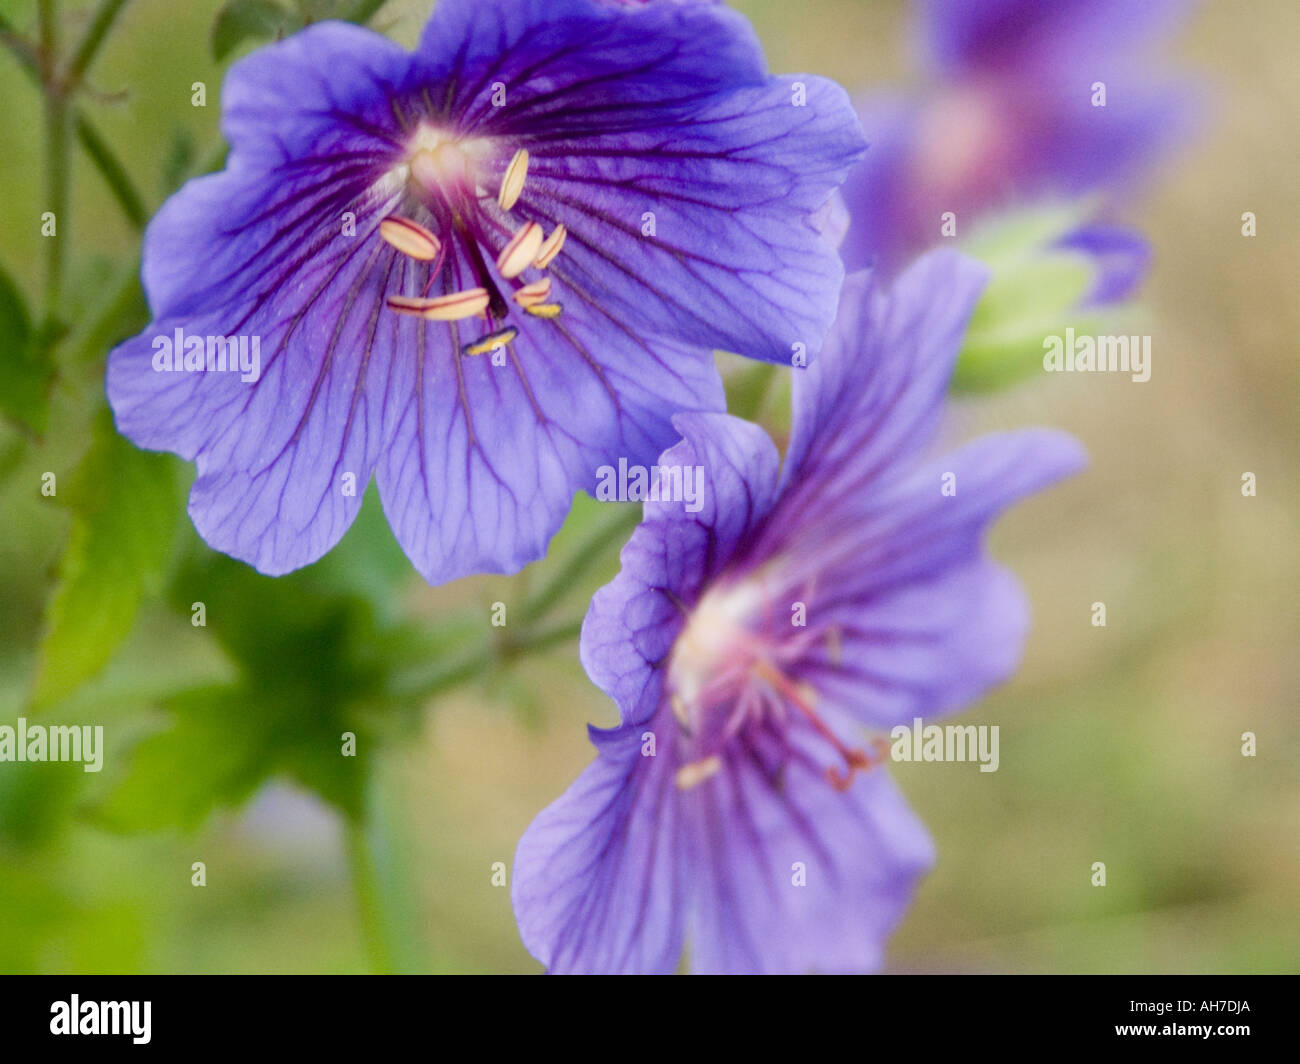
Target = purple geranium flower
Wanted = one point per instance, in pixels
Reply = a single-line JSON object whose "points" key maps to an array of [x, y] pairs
{"points": [[747, 645], [1013, 111], [478, 272]]}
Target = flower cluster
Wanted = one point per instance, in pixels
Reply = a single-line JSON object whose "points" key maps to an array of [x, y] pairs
{"points": [[482, 271]]}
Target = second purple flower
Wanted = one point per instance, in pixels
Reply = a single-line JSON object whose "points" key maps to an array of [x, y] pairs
{"points": [[753, 645]]}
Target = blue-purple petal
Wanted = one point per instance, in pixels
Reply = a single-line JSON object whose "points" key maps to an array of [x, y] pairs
{"points": [[633, 621], [598, 882], [875, 393], [484, 458], [798, 877]]}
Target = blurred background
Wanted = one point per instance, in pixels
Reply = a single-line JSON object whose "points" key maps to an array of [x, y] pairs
{"points": [[1119, 744]]}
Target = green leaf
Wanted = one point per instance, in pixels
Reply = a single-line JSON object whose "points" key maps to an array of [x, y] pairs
{"points": [[244, 20], [224, 741], [37, 801], [126, 504], [216, 753], [313, 660], [26, 371], [368, 562], [313, 655]]}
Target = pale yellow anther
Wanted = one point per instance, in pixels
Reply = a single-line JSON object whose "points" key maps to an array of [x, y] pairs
{"points": [[695, 773], [453, 307], [532, 294], [550, 248], [492, 341], [546, 311], [410, 238], [513, 182], [516, 256]]}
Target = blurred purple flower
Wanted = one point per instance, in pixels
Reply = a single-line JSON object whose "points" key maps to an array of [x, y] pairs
{"points": [[756, 777], [1009, 114], [478, 272]]}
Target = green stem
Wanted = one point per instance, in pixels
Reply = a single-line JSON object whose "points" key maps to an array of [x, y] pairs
{"points": [[91, 140], [561, 633], [495, 654], [89, 46], [380, 864], [56, 160], [365, 885], [379, 861], [580, 561], [111, 169], [47, 18], [27, 56]]}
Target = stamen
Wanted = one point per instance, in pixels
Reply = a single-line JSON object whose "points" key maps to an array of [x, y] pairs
{"points": [[841, 779], [520, 251], [802, 696], [491, 341], [879, 748], [696, 772], [551, 247], [513, 183], [410, 238], [858, 761], [453, 307], [545, 310], [532, 294]]}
